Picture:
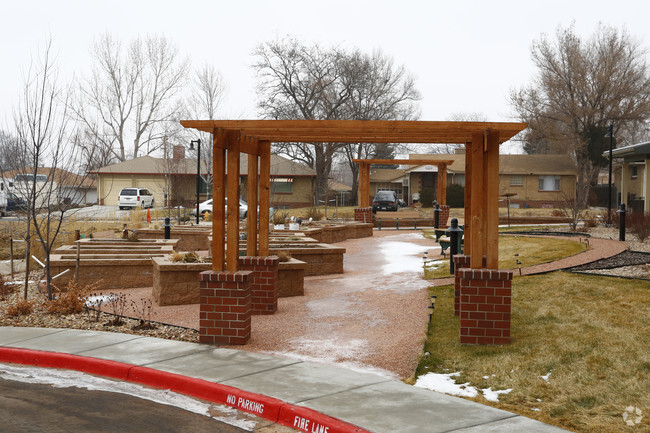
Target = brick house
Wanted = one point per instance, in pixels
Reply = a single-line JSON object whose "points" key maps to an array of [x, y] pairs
{"points": [[173, 180], [537, 180]]}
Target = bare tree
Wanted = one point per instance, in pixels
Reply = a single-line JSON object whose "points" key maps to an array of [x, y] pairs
{"points": [[130, 101], [10, 152], [48, 181], [302, 82], [297, 81], [207, 91], [378, 90], [582, 86]]}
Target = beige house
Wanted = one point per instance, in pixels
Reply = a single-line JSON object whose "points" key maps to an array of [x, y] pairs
{"points": [[632, 176], [535, 180], [173, 181]]}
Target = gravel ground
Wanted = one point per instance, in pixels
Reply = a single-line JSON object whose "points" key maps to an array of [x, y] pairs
{"points": [[372, 318]]}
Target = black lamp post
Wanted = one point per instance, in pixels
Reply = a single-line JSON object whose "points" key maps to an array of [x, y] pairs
{"points": [[198, 174], [610, 134]]}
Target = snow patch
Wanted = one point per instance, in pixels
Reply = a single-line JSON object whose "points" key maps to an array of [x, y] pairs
{"points": [[444, 383], [69, 379], [402, 257], [494, 395]]}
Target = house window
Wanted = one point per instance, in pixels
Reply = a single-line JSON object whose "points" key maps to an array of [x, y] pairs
{"points": [[549, 183], [282, 185], [635, 171], [516, 180]]}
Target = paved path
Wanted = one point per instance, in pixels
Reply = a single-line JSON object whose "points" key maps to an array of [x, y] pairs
{"points": [[598, 249], [307, 396]]}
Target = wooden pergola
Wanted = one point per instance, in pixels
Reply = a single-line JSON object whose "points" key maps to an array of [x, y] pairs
{"points": [[364, 176], [254, 137]]}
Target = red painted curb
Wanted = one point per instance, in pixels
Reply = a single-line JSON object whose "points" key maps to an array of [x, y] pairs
{"points": [[272, 409]]}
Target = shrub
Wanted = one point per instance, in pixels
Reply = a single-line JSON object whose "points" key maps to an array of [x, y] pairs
{"points": [[314, 213], [21, 307], [191, 257], [72, 301], [279, 217], [5, 289], [455, 195], [426, 197], [639, 224], [284, 256]]}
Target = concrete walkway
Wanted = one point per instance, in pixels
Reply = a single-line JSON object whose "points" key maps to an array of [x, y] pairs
{"points": [[306, 396]]}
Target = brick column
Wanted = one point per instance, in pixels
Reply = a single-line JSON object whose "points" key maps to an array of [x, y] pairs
{"points": [[444, 215], [485, 306], [460, 262], [363, 214], [225, 310], [264, 292]]}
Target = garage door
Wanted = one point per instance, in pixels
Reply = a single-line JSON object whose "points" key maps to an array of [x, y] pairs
{"points": [[111, 188]]}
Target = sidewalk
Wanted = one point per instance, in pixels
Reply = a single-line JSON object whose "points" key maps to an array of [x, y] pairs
{"points": [[307, 396]]}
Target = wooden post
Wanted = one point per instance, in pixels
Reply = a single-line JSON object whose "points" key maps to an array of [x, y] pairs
{"points": [[467, 229], [76, 267], [218, 200], [11, 256], [265, 196], [492, 200], [442, 184], [364, 185], [251, 228], [232, 191], [477, 211], [360, 185]]}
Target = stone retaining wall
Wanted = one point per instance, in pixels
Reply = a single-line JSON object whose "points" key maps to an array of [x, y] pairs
{"points": [[189, 238], [291, 278]]}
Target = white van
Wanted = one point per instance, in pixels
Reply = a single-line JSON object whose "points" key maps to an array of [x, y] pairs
{"points": [[134, 197]]}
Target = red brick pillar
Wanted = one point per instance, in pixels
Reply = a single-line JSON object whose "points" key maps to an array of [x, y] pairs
{"points": [[485, 306], [460, 262], [264, 291], [444, 215], [225, 310], [363, 214]]}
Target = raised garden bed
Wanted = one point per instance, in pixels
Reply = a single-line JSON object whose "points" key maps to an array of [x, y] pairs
{"points": [[291, 278], [105, 271], [189, 238], [321, 259], [176, 283], [332, 233]]}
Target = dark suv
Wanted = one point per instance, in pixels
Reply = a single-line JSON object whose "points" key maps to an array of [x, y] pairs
{"points": [[385, 200]]}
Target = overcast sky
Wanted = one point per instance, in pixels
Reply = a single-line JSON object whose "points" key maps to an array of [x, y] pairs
{"points": [[466, 55]]}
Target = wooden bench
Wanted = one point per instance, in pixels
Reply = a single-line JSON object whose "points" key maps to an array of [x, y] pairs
{"points": [[408, 215]]}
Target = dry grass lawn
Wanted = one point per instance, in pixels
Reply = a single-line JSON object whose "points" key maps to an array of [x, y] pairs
{"points": [[590, 333], [531, 250]]}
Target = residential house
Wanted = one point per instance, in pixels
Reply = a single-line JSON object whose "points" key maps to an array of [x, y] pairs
{"points": [[173, 180], [535, 180], [632, 175]]}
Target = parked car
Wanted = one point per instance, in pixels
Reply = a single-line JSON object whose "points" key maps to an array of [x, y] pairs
{"points": [[385, 200], [15, 203], [206, 206], [135, 197]]}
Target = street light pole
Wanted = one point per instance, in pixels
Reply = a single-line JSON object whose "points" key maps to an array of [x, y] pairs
{"points": [[198, 174], [610, 132]]}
